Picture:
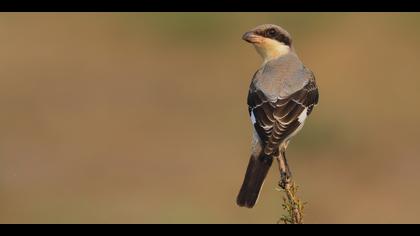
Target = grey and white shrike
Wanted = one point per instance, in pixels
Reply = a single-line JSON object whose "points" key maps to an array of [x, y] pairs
{"points": [[282, 94]]}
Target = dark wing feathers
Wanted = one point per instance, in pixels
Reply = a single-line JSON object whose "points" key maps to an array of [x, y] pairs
{"points": [[312, 91], [277, 120]]}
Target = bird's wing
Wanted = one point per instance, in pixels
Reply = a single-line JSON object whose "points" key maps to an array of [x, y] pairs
{"points": [[275, 120]]}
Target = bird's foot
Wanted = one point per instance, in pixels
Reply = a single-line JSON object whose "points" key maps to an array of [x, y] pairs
{"points": [[285, 179]]}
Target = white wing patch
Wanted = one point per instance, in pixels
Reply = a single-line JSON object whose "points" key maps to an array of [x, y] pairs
{"points": [[303, 115], [253, 117]]}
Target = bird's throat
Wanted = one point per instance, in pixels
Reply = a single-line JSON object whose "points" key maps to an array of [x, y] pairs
{"points": [[271, 49]]}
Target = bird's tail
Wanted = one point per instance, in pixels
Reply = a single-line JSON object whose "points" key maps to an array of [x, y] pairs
{"points": [[254, 178]]}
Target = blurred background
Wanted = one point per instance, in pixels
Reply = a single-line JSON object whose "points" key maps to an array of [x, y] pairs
{"points": [[142, 118]]}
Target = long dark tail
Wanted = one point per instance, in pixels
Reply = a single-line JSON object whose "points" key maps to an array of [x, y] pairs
{"points": [[254, 178]]}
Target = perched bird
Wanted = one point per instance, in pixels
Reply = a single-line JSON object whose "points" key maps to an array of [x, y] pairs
{"points": [[282, 94]]}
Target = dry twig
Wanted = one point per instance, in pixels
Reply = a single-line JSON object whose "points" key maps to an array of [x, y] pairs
{"points": [[291, 203]]}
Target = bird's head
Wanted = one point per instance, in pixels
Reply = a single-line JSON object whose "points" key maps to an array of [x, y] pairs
{"points": [[270, 41]]}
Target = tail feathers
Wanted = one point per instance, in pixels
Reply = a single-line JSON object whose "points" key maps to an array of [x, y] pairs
{"points": [[254, 178]]}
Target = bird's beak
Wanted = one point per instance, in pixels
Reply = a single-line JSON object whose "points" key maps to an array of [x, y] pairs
{"points": [[251, 37]]}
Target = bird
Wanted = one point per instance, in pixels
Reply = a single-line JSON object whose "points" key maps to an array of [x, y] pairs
{"points": [[282, 94]]}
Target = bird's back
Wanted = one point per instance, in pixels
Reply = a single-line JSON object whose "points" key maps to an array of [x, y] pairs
{"points": [[282, 77]]}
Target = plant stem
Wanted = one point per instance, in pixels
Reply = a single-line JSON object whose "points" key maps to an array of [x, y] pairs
{"points": [[291, 203]]}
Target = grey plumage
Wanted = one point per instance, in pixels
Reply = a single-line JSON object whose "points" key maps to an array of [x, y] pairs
{"points": [[281, 77], [280, 91], [282, 94]]}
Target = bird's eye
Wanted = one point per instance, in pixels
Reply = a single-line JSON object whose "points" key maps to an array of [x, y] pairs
{"points": [[271, 32]]}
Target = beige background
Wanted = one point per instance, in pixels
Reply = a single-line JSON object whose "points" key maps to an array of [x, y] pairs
{"points": [[142, 118]]}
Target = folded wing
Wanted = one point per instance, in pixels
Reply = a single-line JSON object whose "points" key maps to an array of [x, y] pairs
{"points": [[276, 119]]}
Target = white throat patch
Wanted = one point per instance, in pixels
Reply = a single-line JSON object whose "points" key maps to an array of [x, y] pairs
{"points": [[270, 49]]}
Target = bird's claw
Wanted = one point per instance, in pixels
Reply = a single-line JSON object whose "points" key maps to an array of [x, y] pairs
{"points": [[285, 179]]}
